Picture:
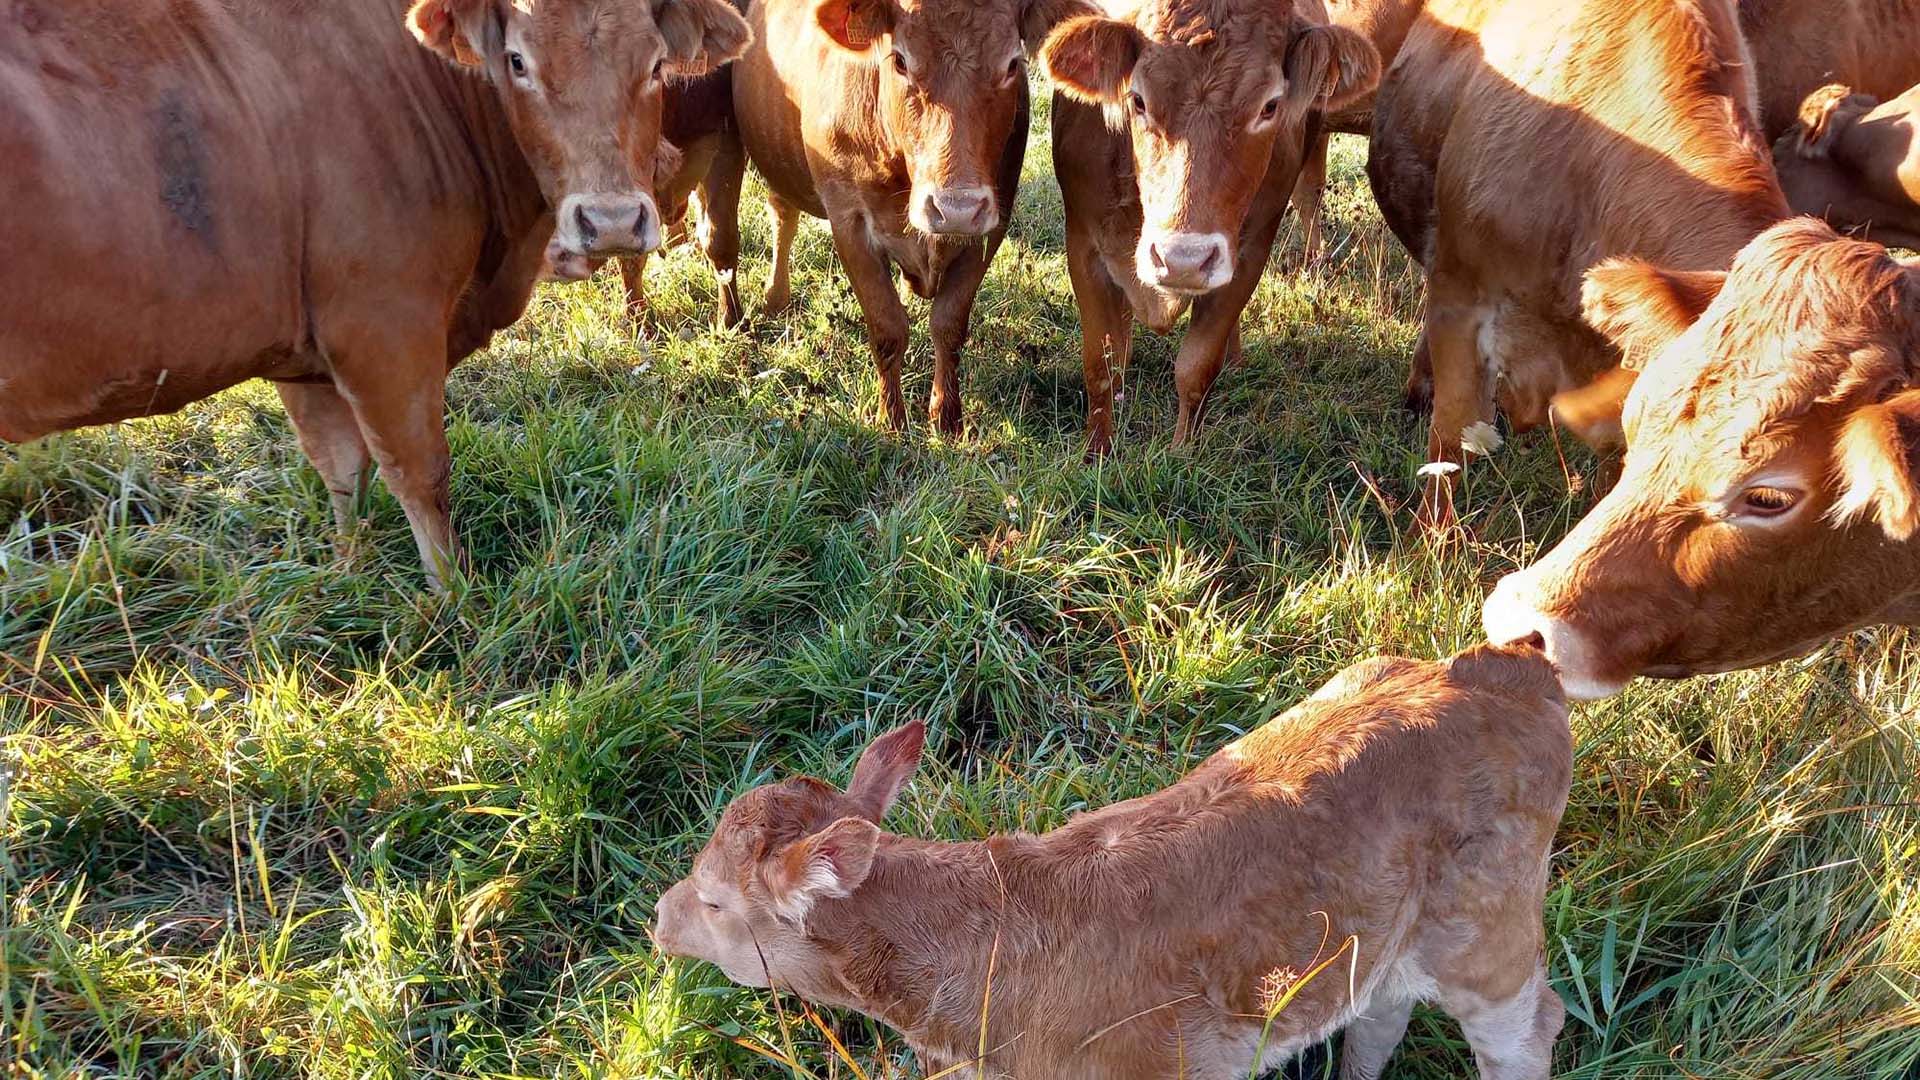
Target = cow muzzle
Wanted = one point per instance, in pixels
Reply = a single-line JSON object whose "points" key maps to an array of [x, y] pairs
{"points": [[591, 228], [1511, 617], [1186, 263], [955, 211]]}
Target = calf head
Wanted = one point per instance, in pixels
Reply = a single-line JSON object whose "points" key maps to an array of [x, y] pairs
{"points": [[1204, 88], [779, 850], [1768, 499], [581, 82]]}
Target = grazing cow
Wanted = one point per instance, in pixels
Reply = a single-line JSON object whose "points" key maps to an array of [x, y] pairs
{"points": [[300, 192], [1383, 842], [1180, 128], [903, 125], [1771, 490], [696, 122], [1519, 142], [1855, 161]]}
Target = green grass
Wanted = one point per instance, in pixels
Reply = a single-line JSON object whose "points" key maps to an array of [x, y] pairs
{"points": [[270, 815]]}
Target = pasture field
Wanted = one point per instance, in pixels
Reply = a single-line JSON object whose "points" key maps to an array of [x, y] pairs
{"points": [[265, 814]]}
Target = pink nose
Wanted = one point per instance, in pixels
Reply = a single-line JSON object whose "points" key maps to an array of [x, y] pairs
{"points": [[961, 211], [614, 225], [1189, 262]]}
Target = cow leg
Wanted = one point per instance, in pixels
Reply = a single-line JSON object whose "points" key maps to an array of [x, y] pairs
{"points": [[952, 317], [1370, 1040], [786, 220], [886, 318], [1105, 318], [1418, 399], [1512, 1038], [1215, 321], [720, 224], [1461, 396], [1236, 353], [328, 434], [633, 274], [397, 388], [1309, 193]]}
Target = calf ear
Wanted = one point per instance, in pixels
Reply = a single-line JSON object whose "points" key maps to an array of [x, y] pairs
{"points": [[1329, 67], [884, 768], [1823, 115], [1039, 17], [667, 162], [830, 864], [1641, 307], [456, 29], [1091, 57], [1877, 462], [854, 25], [701, 34]]}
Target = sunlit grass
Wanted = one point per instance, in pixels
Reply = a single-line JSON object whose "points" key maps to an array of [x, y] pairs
{"points": [[271, 815]]}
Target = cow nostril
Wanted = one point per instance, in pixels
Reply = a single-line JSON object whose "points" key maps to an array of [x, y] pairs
{"points": [[584, 223], [640, 221], [1213, 256]]}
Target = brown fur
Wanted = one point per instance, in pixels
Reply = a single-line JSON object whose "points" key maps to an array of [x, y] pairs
{"points": [[203, 193], [1856, 162], [840, 132], [1795, 378], [1160, 132], [1396, 824]]}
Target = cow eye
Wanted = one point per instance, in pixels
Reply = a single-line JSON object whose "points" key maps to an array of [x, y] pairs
{"points": [[1761, 500], [1137, 103], [899, 65], [517, 64], [1271, 109], [710, 905]]}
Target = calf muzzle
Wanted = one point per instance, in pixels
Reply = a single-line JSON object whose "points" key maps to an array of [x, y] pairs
{"points": [[591, 228], [1189, 263], [957, 211]]}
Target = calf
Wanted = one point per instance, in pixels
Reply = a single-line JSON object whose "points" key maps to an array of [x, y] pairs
{"points": [[1771, 490], [1854, 160], [1179, 132], [201, 192], [1508, 176], [1383, 842], [904, 126]]}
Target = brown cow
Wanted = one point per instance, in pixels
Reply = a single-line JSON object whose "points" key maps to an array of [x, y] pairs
{"points": [[904, 126], [1516, 144], [1772, 484], [1381, 843], [1855, 161], [303, 193], [1179, 131]]}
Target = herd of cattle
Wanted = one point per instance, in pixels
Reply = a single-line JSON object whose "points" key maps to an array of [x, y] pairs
{"points": [[349, 198]]}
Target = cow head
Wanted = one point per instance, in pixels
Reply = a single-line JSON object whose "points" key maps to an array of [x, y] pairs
{"points": [[1768, 500], [952, 78], [1204, 95], [778, 851], [581, 82]]}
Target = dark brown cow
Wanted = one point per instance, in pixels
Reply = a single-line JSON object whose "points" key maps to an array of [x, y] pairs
{"points": [[1855, 161], [1179, 132], [1383, 842], [1771, 492], [199, 193], [902, 124], [1516, 144]]}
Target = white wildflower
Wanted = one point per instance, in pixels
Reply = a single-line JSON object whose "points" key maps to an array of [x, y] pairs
{"points": [[1439, 468]]}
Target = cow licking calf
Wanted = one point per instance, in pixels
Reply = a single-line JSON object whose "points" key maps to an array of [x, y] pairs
{"points": [[1381, 843], [903, 125], [201, 193], [1180, 130], [1855, 161], [1771, 490]]}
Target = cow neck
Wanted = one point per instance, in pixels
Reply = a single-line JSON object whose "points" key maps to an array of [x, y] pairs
{"points": [[511, 193]]}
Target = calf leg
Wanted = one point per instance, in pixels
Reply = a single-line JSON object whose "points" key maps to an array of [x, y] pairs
{"points": [[1371, 1038], [786, 219], [1309, 194], [886, 318], [1512, 1038], [1105, 318], [952, 316], [720, 224], [328, 434]]}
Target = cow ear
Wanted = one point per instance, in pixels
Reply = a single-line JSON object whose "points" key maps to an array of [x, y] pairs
{"points": [[1593, 411], [1039, 17], [830, 864], [701, 34], [1329, 67], [1823, 115], [885, 767], [667, 163], [1091, 57], [1641, 307], [854, 25], [456, 29], [1877, 463]]}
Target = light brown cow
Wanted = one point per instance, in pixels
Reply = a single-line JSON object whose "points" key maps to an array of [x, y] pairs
{"points": [[1772, 483], [1519, 142], [1381, 843], [1179, 132], [199, 193], [904, 125], [1855, 161]]}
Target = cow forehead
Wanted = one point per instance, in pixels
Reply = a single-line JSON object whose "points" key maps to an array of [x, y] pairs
{"points": [[584, 29], [1217, 74], [960, 28]]}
